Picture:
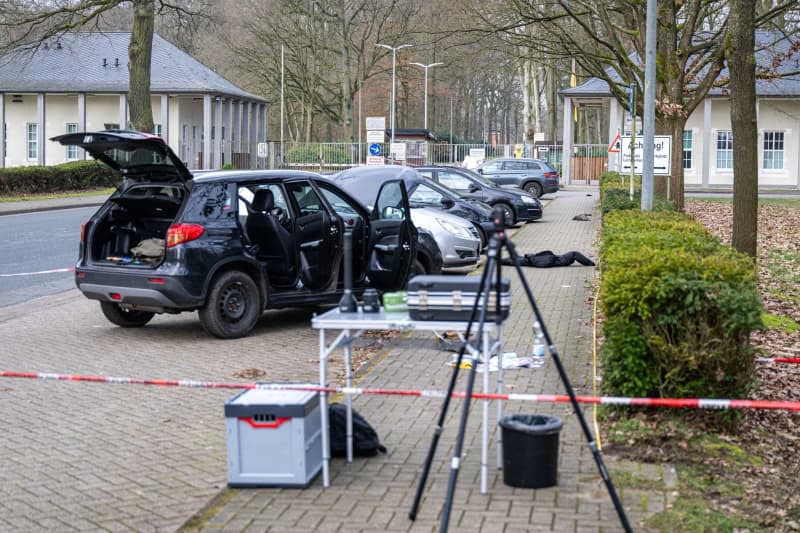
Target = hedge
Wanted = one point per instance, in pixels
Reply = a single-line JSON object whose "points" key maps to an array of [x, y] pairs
{"points": [[73, 176], [678, 306]]}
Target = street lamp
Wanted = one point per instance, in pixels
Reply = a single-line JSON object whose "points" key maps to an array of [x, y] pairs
{"points": [[394, 50], [426, 67]]}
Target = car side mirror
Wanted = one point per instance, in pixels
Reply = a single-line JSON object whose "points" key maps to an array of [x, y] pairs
{"points": [[480, 171], [391, 213], [474, 188], [447, 203]]}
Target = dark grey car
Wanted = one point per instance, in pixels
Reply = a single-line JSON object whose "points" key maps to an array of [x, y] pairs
{"points": [[531, 175]]}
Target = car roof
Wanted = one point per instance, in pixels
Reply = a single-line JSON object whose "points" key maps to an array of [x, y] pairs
{"points": [[239, 176]]}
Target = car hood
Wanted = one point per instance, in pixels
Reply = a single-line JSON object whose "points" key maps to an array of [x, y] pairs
{"points": [[137, 156], [424, 217]]}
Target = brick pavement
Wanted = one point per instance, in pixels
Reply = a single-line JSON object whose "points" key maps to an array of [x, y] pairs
{"points": [[88, 457], [375, 494]]}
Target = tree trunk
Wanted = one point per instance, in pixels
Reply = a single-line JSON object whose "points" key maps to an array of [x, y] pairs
{"points": [[741, 59], [139, 59]]}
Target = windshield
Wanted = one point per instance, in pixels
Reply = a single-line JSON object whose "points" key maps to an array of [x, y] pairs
{"points": [[477, 177]]}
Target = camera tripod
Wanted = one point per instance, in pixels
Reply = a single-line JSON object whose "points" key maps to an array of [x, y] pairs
{"points": [[498, 241]]}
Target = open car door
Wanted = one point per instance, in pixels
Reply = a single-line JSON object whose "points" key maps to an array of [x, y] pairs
{"points": [[393, 238]]}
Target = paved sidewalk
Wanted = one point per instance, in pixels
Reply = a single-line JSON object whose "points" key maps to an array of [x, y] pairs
{"points": [[375, 494], [30, 206]]}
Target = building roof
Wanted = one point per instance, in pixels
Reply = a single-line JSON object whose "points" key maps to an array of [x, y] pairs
{"points": [[96, 62], [770, 46]]}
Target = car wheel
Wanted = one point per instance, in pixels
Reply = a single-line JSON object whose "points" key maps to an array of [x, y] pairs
{"points": [[232, 307], [126, 318], [418, 269], [483, 236], [534, 188], [508, 214]]}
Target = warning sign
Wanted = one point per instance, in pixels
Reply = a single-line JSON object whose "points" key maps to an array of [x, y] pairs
{"points": [[614, 147]]}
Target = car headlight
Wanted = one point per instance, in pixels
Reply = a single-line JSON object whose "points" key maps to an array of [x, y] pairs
{"points": [[529, 200], [454, 229]]}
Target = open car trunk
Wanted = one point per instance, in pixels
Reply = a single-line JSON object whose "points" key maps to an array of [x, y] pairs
{"points": [[133, 226]]}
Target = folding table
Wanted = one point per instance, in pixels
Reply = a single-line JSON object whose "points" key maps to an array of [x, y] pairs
{"points": [[352, 325]]}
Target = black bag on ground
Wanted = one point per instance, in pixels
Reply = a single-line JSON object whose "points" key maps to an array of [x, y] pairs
{"points": [[365, 439]]}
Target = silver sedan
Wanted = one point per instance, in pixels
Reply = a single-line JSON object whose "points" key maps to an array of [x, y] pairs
{"points": [[457, 238]]}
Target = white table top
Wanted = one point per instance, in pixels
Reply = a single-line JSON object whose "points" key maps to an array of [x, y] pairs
{"points": [[335, 319]]}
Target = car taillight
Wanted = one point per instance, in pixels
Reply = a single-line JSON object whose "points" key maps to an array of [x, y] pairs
{"points": [[180, 233], [551, 175], [83, 232]]}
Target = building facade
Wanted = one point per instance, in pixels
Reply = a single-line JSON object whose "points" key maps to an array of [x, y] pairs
{"points": [[79, 82], [708, 141]]}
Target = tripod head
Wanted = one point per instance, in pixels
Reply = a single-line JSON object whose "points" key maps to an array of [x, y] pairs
{"points": [[498, 219]]}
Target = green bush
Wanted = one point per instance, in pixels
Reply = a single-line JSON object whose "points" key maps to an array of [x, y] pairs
{"points": [[679, 307], [73, 176]]}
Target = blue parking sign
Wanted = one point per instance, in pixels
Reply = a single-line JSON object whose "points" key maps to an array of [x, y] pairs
{"points": [[375, 149]]}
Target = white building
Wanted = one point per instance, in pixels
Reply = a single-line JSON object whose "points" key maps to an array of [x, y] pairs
{"points": [[708, 140], [79, 82]]}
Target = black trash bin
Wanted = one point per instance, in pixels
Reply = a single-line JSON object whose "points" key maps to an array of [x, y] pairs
{"points": [[530, 450]]}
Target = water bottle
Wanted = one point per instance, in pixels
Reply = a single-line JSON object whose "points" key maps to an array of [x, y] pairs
{"points": [[537, 355]]}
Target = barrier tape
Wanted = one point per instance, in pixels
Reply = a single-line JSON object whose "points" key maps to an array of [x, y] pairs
{"points": [[789, 360], [53, 271], [675, 403]]}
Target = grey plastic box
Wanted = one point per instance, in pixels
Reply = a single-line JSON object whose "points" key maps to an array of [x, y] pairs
{"points": [[274, 438]]}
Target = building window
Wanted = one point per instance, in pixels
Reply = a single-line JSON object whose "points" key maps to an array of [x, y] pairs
{"points": [[72, 151], [725, 149], [111, 125], [773, 150], [33, 141], [687, 149]]}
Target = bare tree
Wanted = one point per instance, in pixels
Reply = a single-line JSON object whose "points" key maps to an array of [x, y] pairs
{"points": [[26, 24], [607, 41]]}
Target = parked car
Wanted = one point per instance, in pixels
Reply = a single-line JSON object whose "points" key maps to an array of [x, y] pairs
{"points": [[457, 238], [363, 182], [166, 242], [531, 175], [517, 206]]}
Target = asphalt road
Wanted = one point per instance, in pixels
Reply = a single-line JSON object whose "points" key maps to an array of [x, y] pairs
{"points": [[35, 242]]}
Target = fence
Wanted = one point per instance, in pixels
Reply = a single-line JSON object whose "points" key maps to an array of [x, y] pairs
{"points": [[333, 157], [588, 160]]}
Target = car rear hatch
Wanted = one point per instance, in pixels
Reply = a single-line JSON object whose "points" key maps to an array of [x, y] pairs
{"points": [[138, 157]]}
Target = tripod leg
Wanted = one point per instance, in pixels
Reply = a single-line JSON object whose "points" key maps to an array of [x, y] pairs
{"points": [[445, 405], [455, 464], [598, 458]]}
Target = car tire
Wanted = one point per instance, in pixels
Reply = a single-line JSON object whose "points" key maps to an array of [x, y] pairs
{"points": [[534, 188], [125, 318], [508, 214], [233, 306], [417, 268]]}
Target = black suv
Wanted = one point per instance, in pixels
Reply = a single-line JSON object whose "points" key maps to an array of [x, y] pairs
{"points": [[229, 244], [517, 206]]}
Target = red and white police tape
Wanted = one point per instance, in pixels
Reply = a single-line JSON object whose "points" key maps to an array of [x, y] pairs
{"points": [[675, 403], [52, 271], [789, 360]]}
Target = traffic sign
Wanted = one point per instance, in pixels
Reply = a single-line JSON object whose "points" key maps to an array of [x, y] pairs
{"points": [[262, 150], [662, 150], [374, 149], [375, 160], [375, 136], [614, 147]]}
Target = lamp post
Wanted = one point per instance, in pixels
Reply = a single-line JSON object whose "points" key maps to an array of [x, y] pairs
{"points": [[394, 50], [426, 67]]}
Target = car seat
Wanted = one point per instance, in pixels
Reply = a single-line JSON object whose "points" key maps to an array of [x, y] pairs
{"points": [[275, 243]]}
